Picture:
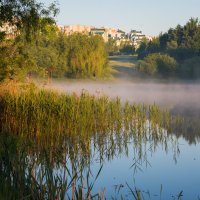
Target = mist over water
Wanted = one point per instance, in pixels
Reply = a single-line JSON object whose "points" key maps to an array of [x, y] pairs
{"points": [[130, 85], [178, 96], [163, 94]]}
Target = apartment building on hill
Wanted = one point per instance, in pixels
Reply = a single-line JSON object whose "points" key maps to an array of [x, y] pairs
{"points": [[101, 32], [106, 33], [136, 37], [70, 29]]}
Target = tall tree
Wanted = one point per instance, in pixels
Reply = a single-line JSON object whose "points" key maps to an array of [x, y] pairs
{"points": [[25, 15], [28, 17]]}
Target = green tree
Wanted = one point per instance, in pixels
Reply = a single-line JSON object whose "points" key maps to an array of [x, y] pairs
{"points": [[87, 56], [163, 39], [111, 47], [142, 50], [153, 46], [26, 15], [181, 43], [15, 61], [190, 68], [127, 48]]}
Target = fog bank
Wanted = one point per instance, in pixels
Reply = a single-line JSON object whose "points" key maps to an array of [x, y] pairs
{"points": [[163, 94]]}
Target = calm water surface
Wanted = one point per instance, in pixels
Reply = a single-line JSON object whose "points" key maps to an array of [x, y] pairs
{"points": [[163, 174]]}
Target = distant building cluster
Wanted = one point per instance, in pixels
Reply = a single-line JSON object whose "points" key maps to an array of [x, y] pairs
{"points": [[134, 37], [106, 33], [70, 29]]}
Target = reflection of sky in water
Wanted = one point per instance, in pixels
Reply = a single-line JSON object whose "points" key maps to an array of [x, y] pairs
{"points": [[182, 98], [174, 176]]}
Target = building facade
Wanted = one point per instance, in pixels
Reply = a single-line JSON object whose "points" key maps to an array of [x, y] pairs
{"points": [[101, 32], [70, 29], [136, 37]]}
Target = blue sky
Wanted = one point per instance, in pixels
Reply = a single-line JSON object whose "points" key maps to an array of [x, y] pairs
{"points": [[149, 16]]}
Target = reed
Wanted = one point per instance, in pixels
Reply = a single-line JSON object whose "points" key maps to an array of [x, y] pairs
{"points": [[36, 113], [48, 140]]}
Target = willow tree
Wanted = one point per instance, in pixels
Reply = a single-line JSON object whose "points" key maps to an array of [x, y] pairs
{"points": [[87, 56]]}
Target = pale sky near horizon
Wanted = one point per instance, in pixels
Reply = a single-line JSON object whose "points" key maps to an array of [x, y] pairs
{"points": [[149, 16]]}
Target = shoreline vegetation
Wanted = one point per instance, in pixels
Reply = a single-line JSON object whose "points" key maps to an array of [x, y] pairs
{"points": [[175, 53], [48, 137], [30, 106]]}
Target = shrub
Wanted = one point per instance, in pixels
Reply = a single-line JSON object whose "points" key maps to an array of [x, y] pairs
{"points": [[158, 64]]}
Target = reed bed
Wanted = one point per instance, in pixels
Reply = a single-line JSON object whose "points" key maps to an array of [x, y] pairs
{"points": [[48, 140], [36, 113]]}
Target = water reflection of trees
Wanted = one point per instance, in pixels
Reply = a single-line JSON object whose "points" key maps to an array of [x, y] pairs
{"points": [[61, 168], [187, 123]]}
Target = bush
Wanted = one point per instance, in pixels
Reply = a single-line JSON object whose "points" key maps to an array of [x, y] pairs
{"points": [[166, 65], [147, 66], [158, 64], [128, 49]]}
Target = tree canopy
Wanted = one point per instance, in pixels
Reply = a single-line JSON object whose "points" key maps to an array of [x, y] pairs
{"points": [[40, 48], [182, 43], [26, 15], [53, 54]]}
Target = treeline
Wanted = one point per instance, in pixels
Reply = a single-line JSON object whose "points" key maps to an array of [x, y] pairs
{"points": [[38, 47], [53, 54], [174, 53]]}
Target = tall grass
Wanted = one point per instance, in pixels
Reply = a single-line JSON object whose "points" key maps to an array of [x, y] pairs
{"points": [[37, 113], [48, 140]]}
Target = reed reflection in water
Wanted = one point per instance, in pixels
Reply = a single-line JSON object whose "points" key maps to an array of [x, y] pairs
{"points": [[50, 142]]}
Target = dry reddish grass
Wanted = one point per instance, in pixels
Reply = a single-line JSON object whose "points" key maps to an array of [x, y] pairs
{"points": [[14, 87]]}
